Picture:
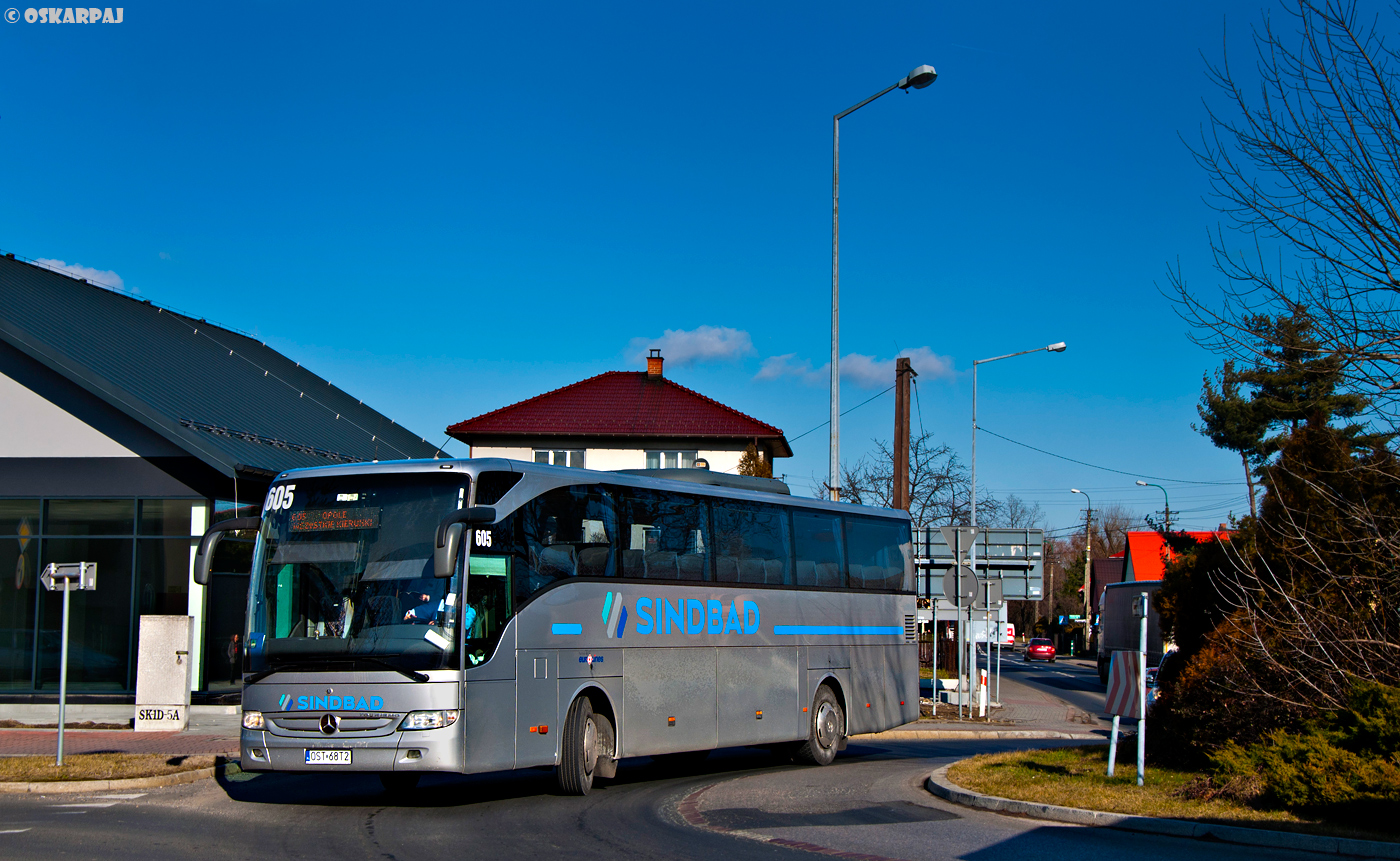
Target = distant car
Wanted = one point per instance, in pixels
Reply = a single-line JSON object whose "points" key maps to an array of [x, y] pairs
{"points": [[1151, 686], [1040, 649]]}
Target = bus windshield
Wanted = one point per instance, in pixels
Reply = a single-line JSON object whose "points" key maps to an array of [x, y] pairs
{"points": [[343, 573]]}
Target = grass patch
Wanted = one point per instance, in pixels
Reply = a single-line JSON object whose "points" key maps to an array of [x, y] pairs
{"points": [[1075, 777], [99, 766]]}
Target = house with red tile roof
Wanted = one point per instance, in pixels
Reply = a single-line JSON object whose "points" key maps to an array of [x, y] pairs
{"points": [[1147, 554], [622, 420]]}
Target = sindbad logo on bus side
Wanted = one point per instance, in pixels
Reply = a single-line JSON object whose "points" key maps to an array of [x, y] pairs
{"points": [[689, 616]]}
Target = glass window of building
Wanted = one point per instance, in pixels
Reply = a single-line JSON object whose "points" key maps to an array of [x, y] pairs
{"points": [[671, 459], [560, 457]]}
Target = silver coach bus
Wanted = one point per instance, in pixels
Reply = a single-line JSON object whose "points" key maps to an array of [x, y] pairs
{"points": [[479, 615]]}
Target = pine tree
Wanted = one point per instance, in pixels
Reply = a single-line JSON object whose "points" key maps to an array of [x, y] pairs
{"points": [[750, 463]]}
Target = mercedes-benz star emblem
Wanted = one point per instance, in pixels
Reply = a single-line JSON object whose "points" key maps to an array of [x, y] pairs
{"points": [[329, 724]]}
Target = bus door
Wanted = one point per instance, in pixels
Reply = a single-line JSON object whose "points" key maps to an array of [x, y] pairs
{"points": [[536, 707]]}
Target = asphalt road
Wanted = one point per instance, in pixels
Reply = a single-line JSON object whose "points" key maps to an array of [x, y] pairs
{"points": [[1076, 682], [739, 805]]}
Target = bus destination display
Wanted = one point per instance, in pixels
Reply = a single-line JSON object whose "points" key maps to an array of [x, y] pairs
{"points": [[328, 519]]}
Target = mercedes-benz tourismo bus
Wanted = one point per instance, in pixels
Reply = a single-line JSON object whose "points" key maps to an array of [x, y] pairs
{"points": [[479, 615]]}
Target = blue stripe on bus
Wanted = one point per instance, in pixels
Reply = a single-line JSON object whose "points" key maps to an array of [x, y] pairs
{"points": [[566, 628], [781, 630]]}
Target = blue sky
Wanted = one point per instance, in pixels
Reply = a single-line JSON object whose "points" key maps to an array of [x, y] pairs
{"points": [[448, 208]]}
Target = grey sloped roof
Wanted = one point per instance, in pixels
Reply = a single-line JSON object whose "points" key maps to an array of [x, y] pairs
{"points": [[226, 398]]}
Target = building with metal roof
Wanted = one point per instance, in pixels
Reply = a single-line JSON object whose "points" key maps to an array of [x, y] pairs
{"points": [[622, 420], [125, 428]]}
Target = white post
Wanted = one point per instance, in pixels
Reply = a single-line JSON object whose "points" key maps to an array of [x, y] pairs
{"points": [[63, 669], [1142, 689], [1113, 746], [199, 522]]}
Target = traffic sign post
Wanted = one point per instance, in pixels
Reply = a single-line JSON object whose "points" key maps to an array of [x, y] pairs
{"points": [[66, 578], [961, 538]]}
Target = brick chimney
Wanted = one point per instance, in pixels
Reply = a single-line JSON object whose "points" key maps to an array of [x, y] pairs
{"points": [[654, 361]]}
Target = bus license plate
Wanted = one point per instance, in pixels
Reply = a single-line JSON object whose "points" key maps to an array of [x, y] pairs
{"points": [[328, 757]]}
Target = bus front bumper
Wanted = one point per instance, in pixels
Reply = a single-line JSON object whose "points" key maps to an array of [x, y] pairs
{"points": [[425, 750]]}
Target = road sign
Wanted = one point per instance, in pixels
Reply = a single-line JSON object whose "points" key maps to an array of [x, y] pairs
{"points": [[988, 595], [960, 537], [68, 577], [81, 575], [959, 584]]}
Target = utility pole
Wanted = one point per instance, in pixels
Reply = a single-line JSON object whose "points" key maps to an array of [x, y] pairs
{"points": [[1088, 555], [903, 373]]}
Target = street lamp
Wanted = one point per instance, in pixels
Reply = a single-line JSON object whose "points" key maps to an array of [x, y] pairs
{"points": [[1088, 543], [1053, 348], [1166, 502], [972, 553], [919, 78]]}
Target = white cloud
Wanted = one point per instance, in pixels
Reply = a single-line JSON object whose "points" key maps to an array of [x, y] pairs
{"points": [[104, 277], [866, 372], [788, 365], [701, 344], [164, 255]]}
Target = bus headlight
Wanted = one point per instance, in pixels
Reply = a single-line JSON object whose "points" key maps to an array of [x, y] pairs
{"points": [[429, 720], [252, 720]]}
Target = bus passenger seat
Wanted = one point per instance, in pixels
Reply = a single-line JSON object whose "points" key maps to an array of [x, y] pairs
{"points": [[692, 566], [593, 562], [806, 572], [557, 561], [828, 574], [661, 565], [773, 571], [751, 571], [726, 569], [634, 563]]}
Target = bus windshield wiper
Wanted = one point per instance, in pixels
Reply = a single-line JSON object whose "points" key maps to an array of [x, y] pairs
{"points": [[313, 665]]}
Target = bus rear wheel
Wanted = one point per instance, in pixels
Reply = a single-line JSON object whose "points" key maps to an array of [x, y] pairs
{"points": [[825, 731], [579, 751]]}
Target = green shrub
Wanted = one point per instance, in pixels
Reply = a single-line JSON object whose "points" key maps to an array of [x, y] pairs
{"points": [[1345, 767]]}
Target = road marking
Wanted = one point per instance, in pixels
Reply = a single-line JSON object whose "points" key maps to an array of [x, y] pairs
{"points": [[90, 804], [126, 797], [68, 812], [14, 831]]}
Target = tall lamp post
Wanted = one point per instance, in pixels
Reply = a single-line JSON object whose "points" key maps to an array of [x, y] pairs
{"points": [[921, 77], [1088, 547], [1166, 502], [1053, 348]]}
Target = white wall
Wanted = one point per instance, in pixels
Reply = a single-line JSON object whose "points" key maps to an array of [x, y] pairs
{"points": [[608, 459], [33, 426]]}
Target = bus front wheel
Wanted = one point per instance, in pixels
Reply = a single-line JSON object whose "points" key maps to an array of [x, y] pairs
{"points": [[825, 731], [579, 751]]}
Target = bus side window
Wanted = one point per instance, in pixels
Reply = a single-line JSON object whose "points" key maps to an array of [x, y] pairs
{"points": [[878, 550], [665, 536], [567, 532], [817, 537], [752, 543]]}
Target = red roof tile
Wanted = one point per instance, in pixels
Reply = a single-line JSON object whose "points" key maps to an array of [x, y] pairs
{"points": [[1148, 552], [621, 404]]}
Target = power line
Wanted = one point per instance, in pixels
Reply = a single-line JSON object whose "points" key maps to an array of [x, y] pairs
{"points": [[1096, 466], [851, 410]]}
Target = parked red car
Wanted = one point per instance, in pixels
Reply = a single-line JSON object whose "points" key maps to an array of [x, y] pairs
{"points": [[1040, 649]]}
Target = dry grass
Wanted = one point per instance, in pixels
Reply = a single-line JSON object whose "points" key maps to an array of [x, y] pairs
{"points": [[99, 766], [1076, 777]]}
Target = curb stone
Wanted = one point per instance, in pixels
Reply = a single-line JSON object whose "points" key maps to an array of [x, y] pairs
{"points": [[179, 777], [975, 734], [939, 784]]}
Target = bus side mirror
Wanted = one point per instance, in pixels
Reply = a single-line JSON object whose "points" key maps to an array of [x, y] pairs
{"points": [[204, 557], [449, 537]]}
